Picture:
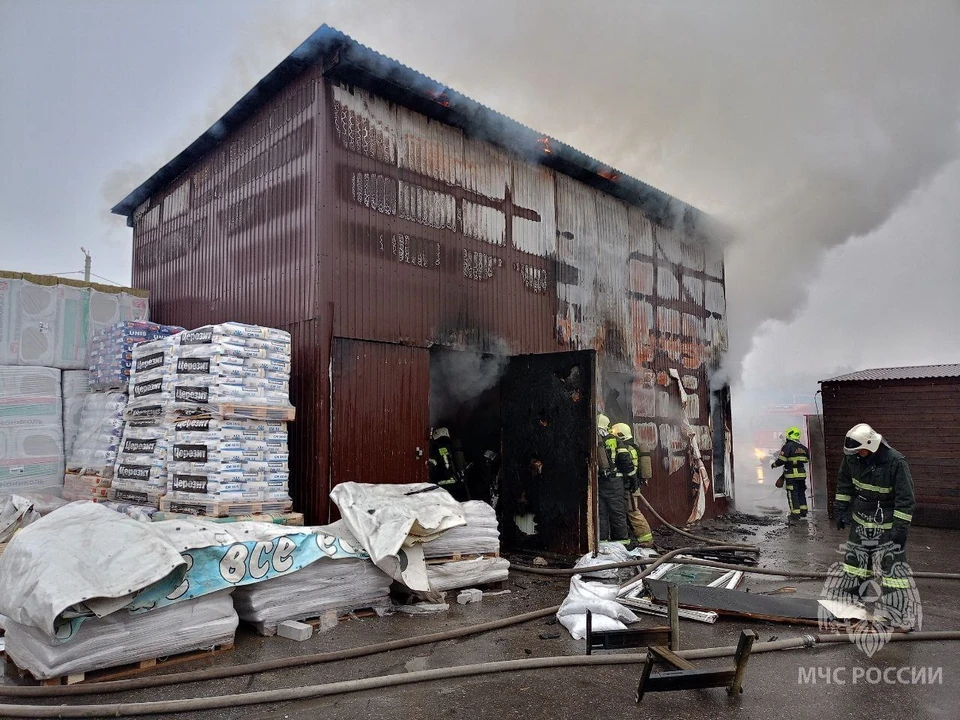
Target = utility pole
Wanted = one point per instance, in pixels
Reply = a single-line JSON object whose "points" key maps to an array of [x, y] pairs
{"points": [[86, 265]]}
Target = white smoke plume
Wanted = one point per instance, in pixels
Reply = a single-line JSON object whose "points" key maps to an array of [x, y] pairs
{"points": [[801, 126]]}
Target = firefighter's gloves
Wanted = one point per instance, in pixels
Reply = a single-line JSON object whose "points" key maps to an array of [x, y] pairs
{"points": [[841, 513], [898, 536]]}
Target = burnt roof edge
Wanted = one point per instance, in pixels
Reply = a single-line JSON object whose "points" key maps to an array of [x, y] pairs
{"points": [[344, 59]]}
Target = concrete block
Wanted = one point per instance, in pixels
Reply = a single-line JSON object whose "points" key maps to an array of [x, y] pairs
{"points": [[294, 630], [469, 595]]}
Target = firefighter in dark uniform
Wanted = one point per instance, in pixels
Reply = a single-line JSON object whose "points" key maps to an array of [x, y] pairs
{"points": [[611, 463], [875, 496], [447, 465], [794, 457]]}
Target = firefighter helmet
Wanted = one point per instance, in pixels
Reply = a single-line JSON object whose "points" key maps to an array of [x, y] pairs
{"points": [[793, 433], [603, 422], [861, 437], [622, 431], [441, 432]]}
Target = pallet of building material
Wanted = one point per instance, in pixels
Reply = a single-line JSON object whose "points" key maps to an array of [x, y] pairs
{"points": [[736, 603], [329, 618], [257, 412], [122, 641], [291, 519], [224, 508], [477, 572], [119, 672]]}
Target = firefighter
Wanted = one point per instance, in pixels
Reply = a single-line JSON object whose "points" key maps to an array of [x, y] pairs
{"points": [[875, 496], [613, 514], [447, 465], [794, 457], [633, 481]]}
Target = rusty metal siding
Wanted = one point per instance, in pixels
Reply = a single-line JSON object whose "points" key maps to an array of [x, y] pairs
{"points": [[381, 412], [911, 415], [334, 212], [234, 236]]}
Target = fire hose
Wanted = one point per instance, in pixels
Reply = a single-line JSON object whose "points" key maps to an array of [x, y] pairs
{"points": [[318, 658], [685, 533], [219, 702]]}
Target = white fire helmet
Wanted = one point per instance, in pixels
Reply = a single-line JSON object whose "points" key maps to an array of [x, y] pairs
{"points": [[622, 431], [603, 422], [861, 437], [441, 433]]}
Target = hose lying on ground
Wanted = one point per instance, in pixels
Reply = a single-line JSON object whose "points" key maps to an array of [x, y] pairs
{"points": [[685, 533], [814, 574], [349, 686], [282, 663]]}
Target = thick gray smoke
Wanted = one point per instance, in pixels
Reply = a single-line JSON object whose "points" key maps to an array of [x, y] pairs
{"points": [[459, 377], [802, 126]]}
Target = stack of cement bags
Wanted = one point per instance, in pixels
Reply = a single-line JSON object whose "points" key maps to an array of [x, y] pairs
{"points": [[31, 430], [120, 638], [334, 586], [90, 465], [473, 551]]}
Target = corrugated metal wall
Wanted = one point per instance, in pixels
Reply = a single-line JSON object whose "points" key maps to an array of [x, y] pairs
{"points": [[911, 415], [441, 238], [333, 213]]}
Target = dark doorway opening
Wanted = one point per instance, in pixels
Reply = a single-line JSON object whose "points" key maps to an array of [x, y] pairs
{"points": [[523, 426]]}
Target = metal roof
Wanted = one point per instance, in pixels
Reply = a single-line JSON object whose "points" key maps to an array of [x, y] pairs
{"points": [[344, 59], [916, 372]]}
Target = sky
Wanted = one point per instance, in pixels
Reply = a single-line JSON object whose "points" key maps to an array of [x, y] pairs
{"points": [[825, 134]]}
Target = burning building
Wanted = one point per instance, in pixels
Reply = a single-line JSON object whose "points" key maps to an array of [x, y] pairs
{"points": [[389, 223]]}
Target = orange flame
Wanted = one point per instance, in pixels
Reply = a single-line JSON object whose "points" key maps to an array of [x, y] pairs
{"points": [[544, 143], [608, 174]]}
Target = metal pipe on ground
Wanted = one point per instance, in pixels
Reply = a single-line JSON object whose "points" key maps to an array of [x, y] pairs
{"points": [[813, 574], [162, 707]]}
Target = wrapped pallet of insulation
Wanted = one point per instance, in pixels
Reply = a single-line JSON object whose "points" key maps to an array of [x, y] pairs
{"points": [[121, 638], [471, 552], [335, 586], [31, 430]]}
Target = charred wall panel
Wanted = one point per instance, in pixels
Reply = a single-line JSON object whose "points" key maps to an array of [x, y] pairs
{"points": [[911, 416]]}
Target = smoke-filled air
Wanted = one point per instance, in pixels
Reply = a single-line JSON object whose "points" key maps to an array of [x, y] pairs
{"points": [[823, 135]]}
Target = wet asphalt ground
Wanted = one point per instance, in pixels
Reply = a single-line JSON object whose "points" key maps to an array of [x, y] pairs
{"points": [[773, 687]]}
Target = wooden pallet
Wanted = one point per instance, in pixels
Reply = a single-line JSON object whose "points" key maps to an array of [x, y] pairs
{"points": [[258, 412], [120, 671], [270, 629], [457, 557]]}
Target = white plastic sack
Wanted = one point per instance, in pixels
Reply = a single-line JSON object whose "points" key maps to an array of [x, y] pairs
{"points": [[79, 553], [392, 521], [600, 600], [609, 552], [15, 514], [123, 638]]}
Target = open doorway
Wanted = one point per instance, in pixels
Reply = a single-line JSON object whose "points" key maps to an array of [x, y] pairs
{"points": [[523, 427]]}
